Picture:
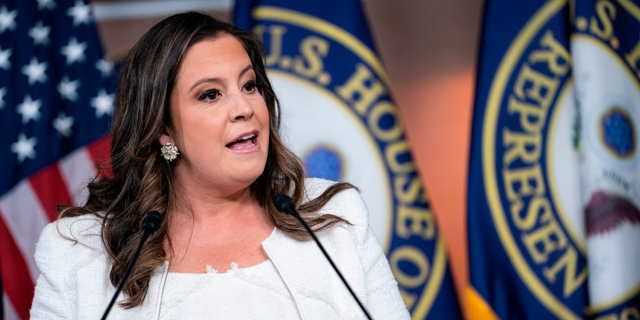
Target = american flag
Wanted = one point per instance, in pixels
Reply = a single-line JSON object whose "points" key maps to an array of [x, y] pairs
{"points": [[56, 100]]}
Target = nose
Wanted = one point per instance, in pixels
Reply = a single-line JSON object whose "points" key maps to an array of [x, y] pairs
{"points": [[242, 110]]}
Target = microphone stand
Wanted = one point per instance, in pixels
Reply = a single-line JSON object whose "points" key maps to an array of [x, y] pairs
{"points": [[150, 224], [285, 205]]}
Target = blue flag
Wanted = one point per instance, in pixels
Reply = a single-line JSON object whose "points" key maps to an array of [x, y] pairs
{"points": [[340, 119], [56, 99], [553, 179]]}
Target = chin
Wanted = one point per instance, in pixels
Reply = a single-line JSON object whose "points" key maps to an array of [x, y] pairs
{"points": [[251, 176]]}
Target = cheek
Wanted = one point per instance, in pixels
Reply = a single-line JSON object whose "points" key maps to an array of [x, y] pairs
{"points": [[201, 131], [263, 119], [262, 113]]}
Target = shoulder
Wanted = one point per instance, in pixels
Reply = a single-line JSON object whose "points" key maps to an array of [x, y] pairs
{"points": [[69, 242], [73, 265], [357, 251], [347, 204], [314, 187]]}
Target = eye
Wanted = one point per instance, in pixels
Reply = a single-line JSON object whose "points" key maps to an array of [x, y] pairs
{"points": [[210, 95], [250, 86]]}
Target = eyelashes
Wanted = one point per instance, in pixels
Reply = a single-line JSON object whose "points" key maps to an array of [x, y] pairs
{"points": [[210, 95], [213, 94], [250, 86]]}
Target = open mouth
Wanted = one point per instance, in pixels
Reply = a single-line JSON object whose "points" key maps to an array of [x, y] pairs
{"points": [[245, 141]]}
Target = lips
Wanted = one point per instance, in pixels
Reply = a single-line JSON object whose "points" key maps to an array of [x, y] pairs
{"points": [[246, 140]]}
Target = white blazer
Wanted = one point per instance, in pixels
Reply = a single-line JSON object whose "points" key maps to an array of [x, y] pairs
{"points": [[74, 280]]}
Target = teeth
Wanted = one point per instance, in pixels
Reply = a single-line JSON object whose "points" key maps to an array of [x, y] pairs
{"points": [[249, 136], [252, 144]]}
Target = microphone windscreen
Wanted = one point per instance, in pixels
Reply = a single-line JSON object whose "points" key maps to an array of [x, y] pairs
{"points": [[152, 221], [283, 203]]}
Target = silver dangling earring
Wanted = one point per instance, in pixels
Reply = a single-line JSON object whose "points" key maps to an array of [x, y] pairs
{"points": [[169, 151]]}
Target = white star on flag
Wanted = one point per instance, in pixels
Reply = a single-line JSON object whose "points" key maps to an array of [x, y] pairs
{"points": [[29, 109], [63, 124], [74, 51], [24, 147], [4, 58], [3, 92], [68, 89], [7, 19], [103, 103], [35, 71], [40, 34], [49, 127], [80, 13], [105, 66], [46, 4]]}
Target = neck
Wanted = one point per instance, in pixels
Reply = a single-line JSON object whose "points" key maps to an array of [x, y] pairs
{"points": [[209, 206], [208, 229]]}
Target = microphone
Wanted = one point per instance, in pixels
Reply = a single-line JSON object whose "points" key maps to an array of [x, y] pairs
{"points": [[284, 204], [150, 225]]}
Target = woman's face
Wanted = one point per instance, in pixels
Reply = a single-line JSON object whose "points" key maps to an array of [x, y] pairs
{"points": [[220, 120]]}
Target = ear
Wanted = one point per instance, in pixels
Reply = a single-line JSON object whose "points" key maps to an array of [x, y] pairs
{"points": [[165, 137]]}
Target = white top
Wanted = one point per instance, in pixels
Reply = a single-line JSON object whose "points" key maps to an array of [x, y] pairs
{"points": [[259, 288], [74, 280]]}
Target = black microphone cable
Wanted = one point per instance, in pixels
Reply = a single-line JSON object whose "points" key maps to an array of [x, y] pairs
{"points": [[284, 204], [150, 225]]}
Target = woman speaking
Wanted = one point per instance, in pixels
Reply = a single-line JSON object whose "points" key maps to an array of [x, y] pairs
{"points": [[195, 138]]}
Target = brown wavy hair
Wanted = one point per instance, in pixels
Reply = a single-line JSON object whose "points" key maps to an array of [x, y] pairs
{"points": [[142, 179]]}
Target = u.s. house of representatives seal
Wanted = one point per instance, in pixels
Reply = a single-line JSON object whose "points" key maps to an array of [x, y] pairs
{"points": [[560, 159], [606, 59], [341, 121], [531, 167]]}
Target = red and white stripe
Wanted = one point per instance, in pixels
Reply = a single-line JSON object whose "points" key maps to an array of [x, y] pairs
{"points": [[9, 313], [27, 208]]}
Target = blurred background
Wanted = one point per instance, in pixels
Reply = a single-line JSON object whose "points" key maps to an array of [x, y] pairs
{"points": [[429, 50]]}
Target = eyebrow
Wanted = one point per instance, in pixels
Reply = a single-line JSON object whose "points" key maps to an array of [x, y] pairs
{"points": [[201, 81]]}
